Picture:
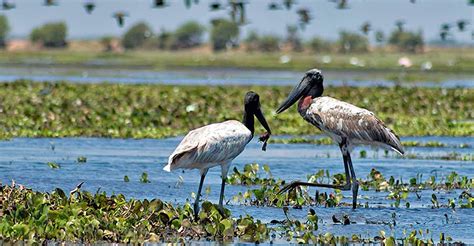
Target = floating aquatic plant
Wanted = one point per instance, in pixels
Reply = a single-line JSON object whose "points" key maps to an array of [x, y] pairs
{"points": [[53, 165], [81, 159], [264, 188], [84, 217], [31, 109]]}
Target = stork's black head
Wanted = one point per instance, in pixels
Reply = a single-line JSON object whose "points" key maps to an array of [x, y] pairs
{"points": [[310, 85], [314, 76], [252, 102], [252, 107]]}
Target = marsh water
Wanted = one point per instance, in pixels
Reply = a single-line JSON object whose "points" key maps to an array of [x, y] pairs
{"points": [[213, 76], [109, 160]]}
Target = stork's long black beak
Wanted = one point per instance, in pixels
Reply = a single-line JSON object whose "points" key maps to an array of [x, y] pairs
{"points": [[294, 95], [262, 120], [264, 137]]}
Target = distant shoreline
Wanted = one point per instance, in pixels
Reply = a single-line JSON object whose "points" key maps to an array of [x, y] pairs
{"points": [[91, 54]]}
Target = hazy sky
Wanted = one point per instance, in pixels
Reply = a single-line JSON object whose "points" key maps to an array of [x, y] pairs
{"points": [[425, 15]]}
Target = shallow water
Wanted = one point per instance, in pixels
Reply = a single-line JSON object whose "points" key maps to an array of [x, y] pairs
{"points": [[211, 76], [108, 160]]}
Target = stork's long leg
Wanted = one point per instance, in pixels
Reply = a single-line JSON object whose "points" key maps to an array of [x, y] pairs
{"points": [[224, 170], [198, 196], [221, 196], [346, 186], [355, 183]]}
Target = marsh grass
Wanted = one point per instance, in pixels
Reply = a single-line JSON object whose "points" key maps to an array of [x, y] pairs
{"points": [[61, 109], [264, 188], [444, 60], [82, 217], [27, 216]]}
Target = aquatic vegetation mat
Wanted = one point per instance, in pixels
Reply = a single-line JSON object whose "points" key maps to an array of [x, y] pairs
{"points": [[264, 189], [82, 217], [85, 217], [50, 109]]}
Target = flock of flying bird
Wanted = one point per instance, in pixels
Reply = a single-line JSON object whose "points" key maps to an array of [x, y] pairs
{"points": [[237, 12], [347, 125]]}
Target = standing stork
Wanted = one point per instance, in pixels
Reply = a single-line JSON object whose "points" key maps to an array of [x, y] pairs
{"points": [[346, 124], [218, 144]]}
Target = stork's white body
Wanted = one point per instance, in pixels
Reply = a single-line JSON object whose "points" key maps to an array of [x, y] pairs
{"points": [[209, 146], [356, 125]]}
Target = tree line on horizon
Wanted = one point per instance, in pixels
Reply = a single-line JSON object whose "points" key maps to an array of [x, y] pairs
{"points": [[224, 34]]}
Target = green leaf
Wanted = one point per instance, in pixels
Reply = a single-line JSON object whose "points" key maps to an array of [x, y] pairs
{"points": [[53, 165]]}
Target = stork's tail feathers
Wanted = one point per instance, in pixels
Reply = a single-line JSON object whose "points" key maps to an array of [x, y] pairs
{"points": [[167, 168], [175, 160], [394, 142]]}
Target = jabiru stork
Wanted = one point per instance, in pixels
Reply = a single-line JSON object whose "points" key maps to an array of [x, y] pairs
{"points": [[346, 124], [218, 144]]}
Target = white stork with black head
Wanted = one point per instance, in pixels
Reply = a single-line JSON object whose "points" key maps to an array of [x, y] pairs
{"points": [[218, 144], [346, 124]]}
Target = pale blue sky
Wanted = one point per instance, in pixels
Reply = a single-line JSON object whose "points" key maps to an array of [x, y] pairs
{"points": [[426, 15]]}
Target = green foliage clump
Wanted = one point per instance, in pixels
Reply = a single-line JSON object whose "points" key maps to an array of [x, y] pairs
{"points": [[224, 33], [269, 43], [251, 41], [107, 43], [144, 178], [266, 43], [52, 35], [265, 188], [136, 36], [4, 29], [36, 217], [318, 44], [187, 35], [407, 41], [352, 42], [267, 194], [164, 39], [31, 109], [293, 38]]}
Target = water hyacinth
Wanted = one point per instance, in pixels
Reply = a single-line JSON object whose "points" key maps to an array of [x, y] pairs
{"points": [[85, 217], [263, 188], [155, 111], [36, 217]]}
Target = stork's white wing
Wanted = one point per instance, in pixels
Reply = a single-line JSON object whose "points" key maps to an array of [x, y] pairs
{"points": [[214, 143], [358, 125]]}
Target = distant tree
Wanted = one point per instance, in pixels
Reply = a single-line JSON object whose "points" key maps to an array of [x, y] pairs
{"points": [[224, 33], [269, 43], [52, 35], [379, 36], [188, 35], [400, 25], [164, 39], [407, 41], [352, 42], [107, 43], [251, 41], [4, 29], [318, 44], [136, 36], [293, 38]]}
